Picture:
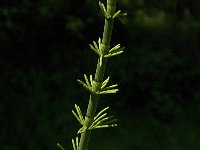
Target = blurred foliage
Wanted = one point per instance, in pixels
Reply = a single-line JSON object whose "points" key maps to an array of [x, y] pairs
{"points": [[43, 50]]}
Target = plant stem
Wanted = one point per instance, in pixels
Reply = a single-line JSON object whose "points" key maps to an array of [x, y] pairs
{"points": [[99, 75]]}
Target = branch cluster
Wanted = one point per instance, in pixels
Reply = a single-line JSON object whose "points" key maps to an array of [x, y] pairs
{"points": [[101, 120]]}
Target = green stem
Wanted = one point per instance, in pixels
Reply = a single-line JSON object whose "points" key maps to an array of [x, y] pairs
{"points": [[99, 75]]}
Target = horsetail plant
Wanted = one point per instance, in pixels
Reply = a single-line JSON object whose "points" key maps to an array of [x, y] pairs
{"points": [[97, 85]]}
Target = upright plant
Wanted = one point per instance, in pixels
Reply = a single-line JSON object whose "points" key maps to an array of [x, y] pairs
{"points": [[97, 85]]}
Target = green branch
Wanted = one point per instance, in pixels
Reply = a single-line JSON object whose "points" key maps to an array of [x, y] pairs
{"points": [[99, 75], [97, 85]]}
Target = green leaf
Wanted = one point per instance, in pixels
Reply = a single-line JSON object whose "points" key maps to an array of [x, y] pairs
{"points": [[116, 14], [105, 126], [113, 54], [105, 83], [95, 45], [91, 81], [109, 91], [101, 112], [103, 9], [79, 113], [95, 50], [86, 79], [60, 146], [110, 87], [76, 116]]}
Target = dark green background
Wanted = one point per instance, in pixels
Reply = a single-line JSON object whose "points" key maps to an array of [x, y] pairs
{"points": [[44, 49]]}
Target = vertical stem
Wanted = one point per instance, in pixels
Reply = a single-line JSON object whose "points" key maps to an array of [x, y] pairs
{"points": [[99, 75]]}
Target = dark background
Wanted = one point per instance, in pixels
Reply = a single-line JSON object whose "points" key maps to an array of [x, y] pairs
{"points": [[44, 49]]}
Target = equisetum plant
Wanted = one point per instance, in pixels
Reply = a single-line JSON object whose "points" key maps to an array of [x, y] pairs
{"points": [[97, 85]]}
